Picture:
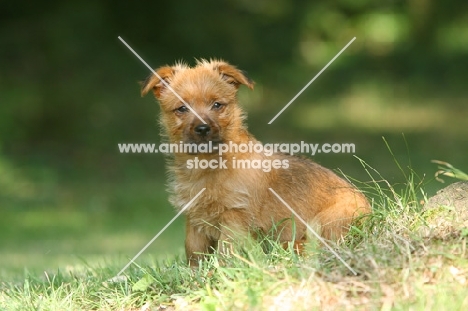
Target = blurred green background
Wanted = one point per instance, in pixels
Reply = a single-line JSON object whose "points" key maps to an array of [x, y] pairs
{"points": [[69, 95]]}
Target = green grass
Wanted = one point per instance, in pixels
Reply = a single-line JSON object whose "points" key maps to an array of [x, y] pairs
{"points": [[62, 226], [401, 264], [446, 169]]}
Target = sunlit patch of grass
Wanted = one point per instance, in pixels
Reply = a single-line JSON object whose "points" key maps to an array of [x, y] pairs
{"points": [[374, 107]]}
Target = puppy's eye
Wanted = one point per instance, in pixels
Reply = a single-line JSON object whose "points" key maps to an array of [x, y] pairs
{"points": [[181, 109], [217, 106]]}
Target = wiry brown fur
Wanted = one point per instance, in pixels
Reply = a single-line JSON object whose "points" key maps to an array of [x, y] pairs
{"points": [[238, 200]]}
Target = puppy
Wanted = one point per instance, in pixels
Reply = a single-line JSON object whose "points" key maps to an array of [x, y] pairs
{"points": [[236, 199]]}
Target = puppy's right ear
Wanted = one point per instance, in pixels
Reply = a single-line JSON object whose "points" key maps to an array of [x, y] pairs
{"points": [[153, 82]]}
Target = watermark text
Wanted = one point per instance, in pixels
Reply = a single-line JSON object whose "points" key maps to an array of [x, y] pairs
{"points": [[268, 149]]}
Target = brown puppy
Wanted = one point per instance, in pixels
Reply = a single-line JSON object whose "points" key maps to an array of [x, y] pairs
{"points": [[237, 200]]}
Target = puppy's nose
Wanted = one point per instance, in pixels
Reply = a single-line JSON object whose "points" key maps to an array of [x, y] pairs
{"points": [[202, 129]]}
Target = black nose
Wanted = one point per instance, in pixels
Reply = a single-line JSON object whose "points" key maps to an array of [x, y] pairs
{"points": [[202, 129]]}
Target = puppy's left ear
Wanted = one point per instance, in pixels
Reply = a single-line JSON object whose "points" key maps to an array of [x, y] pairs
{"points": [[234, 76], [154, 82]]}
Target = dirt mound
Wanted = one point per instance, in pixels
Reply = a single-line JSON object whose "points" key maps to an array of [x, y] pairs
{"points": [[446, 213]]}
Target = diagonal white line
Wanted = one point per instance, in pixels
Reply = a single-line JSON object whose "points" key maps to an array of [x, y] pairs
{"points": [[310, 82], [163, 82], [160, 232], [313, 232]]}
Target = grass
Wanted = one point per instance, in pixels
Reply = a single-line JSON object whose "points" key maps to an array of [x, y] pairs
{"points": [[446, 169], [400, 265]]}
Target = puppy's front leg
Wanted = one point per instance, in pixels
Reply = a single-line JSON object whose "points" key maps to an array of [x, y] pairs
{"points": [[233, 227], [197, 243]]}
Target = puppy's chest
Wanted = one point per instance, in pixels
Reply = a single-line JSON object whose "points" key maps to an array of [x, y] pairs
{"points": [[220, 195]]}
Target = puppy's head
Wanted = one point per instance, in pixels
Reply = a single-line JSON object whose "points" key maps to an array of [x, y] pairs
{"points": [[208, 90]]}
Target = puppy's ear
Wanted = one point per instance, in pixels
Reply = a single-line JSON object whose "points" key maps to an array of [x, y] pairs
{"points": [[154, 82], [233, 75]]}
